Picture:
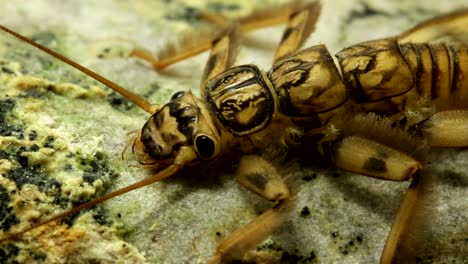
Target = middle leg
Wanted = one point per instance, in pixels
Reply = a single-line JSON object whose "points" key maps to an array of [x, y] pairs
{"points": [[260, 176]]}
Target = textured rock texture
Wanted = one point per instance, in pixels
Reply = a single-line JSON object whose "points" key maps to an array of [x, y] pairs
{"points": [[62, 134]]}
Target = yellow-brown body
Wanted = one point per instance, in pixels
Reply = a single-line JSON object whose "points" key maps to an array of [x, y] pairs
{"points": [[381, 76], [304, 93]]}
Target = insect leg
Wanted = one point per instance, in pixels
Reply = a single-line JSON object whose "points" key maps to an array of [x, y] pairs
{"points": [[164, 60], [301, 24], [222, 55], [402, 218], [196, 44], [260, 176], [447, 128], [452, 25], [370, 158], [370, 146]]}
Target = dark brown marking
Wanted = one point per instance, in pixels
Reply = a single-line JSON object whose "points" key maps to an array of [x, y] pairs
{"points": [[287, 33], [290, 30], [419, 68], [210, 64], [169, 137], [295, 14], [151, 147], [435, 72], [352, 78], [450, 63], [240, 85], [158, 120], [375, 165], [184, 123], [455, 69], [258, 180], [382, 155]]}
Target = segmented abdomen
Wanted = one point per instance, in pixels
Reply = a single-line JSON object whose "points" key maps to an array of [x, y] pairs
{"points": [[382, 76], [383, 69], [439, 70]]}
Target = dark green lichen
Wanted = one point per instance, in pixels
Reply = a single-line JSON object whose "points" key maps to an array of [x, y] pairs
{"points": [[22, 171], [8, 253], [39, 256], [96, 168], [335, 234], [112, 52], [28, 175], [34, 148], [185, 13], [7, 217], [48, 142], [424, 259], [351, 246], [305, 212], [359, 238], [6, 69], [454, 179], [100, 216], [308, 178], [32, 135], [119, 102], [293, 258], [34, 92], [45, 38], [7, 129], [219, 7], [154, 88]]}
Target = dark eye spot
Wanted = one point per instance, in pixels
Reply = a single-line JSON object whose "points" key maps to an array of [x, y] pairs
{"points": [[205, 146], [177, 95]]}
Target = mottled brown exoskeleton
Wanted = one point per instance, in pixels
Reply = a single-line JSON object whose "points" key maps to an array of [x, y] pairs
{"points": [[305, 94]]}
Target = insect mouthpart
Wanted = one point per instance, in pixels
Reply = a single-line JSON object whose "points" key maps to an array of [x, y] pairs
{"points": [[160, 137], [151, 144]]}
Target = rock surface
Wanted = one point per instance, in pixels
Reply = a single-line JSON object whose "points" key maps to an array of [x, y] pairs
{"points": [[62, 134]]}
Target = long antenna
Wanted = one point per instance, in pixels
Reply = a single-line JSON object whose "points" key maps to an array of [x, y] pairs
{"points": [[136, 99]]}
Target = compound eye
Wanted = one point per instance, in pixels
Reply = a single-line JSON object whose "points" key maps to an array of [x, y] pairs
{"points": [[205, 146], [177, 95]]}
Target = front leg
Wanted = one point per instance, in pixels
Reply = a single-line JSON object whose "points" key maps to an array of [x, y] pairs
{"points": [[263, 178]]}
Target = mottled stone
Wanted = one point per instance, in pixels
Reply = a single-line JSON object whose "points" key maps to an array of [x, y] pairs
{"points": [[62, 135]]}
